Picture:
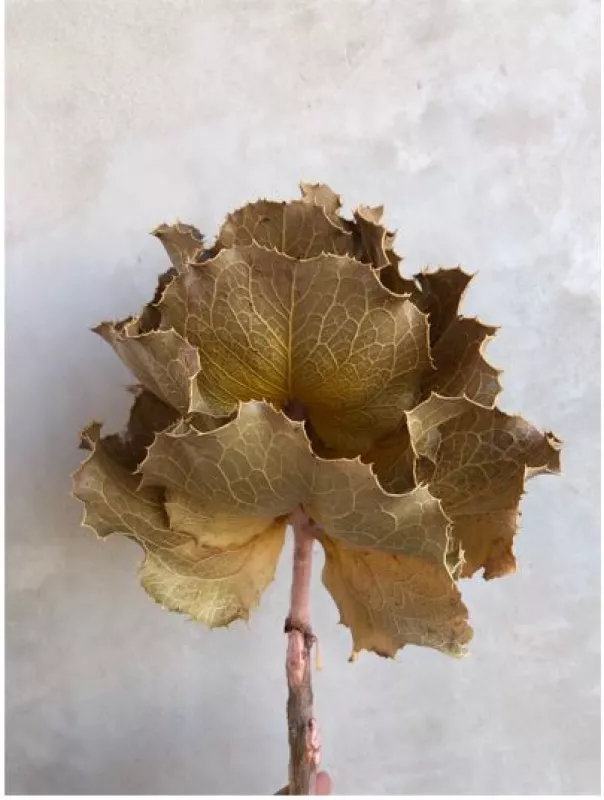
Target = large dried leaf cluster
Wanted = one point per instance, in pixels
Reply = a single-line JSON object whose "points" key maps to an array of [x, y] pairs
{"points": [[290, 364]]}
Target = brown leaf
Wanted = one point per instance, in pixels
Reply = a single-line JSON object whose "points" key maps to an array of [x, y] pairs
{"points": [[440, 297], [389, 601], [373, 235], [391, 278], [371, 242], [475, 460], [321, 195], [393, 460], [164, 362], [260, 465], [148, 416], [215, 583], [298, 229], [322, 332], [150, 317], [461, 370], [215, 586], [182, 243], [460, 366], [114, 501], [377, 248]]}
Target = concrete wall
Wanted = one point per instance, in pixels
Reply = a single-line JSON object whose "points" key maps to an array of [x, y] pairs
{"points": [[476, 123]]}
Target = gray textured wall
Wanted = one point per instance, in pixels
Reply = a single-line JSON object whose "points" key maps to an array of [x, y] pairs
{"points": [[477, 123]]}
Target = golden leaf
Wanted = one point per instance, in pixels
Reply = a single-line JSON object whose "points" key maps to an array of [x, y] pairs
{"points": [[213, 583], [322, 332], [371, 242], [260, 464], [377, 248], [298, 229], [164, 362], [373, 235], [393, 460], [440, 296], [182, 243], [460, 366], [475, 460], [389, 601], [148, 416], [150, 317], [321, 195]]}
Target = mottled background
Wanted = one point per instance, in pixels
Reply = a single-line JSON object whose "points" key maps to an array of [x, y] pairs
{"points": [[476, 123]]}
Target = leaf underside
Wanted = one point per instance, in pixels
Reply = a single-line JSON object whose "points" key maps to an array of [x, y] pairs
{"points": [[410, 471]]}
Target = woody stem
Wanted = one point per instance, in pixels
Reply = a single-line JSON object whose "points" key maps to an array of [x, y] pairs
{"points": [[304, 748]]}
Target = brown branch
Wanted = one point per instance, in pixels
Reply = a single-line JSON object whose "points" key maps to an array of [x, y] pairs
{"points": [[304, 749]]}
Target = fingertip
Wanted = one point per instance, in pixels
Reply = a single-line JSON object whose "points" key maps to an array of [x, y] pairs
{"points": [[323, 784]]}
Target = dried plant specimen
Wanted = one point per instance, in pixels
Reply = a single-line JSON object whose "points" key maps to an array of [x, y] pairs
{"points": [[289, 374]]}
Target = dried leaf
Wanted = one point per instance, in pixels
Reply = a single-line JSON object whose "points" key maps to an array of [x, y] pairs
{"points": [[378, 243], [371, 243], [215, 586], [298, 229], [148, 416], [322, 332], [440, 296], [475, 460], [391, 278], [373, 235], [390, 601], [164, 362], [215, 583], [150, 317], [377, 248], [393, 460], [321, 195], [260, 465], [114, 501], [182, 243], [460, 366]]}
